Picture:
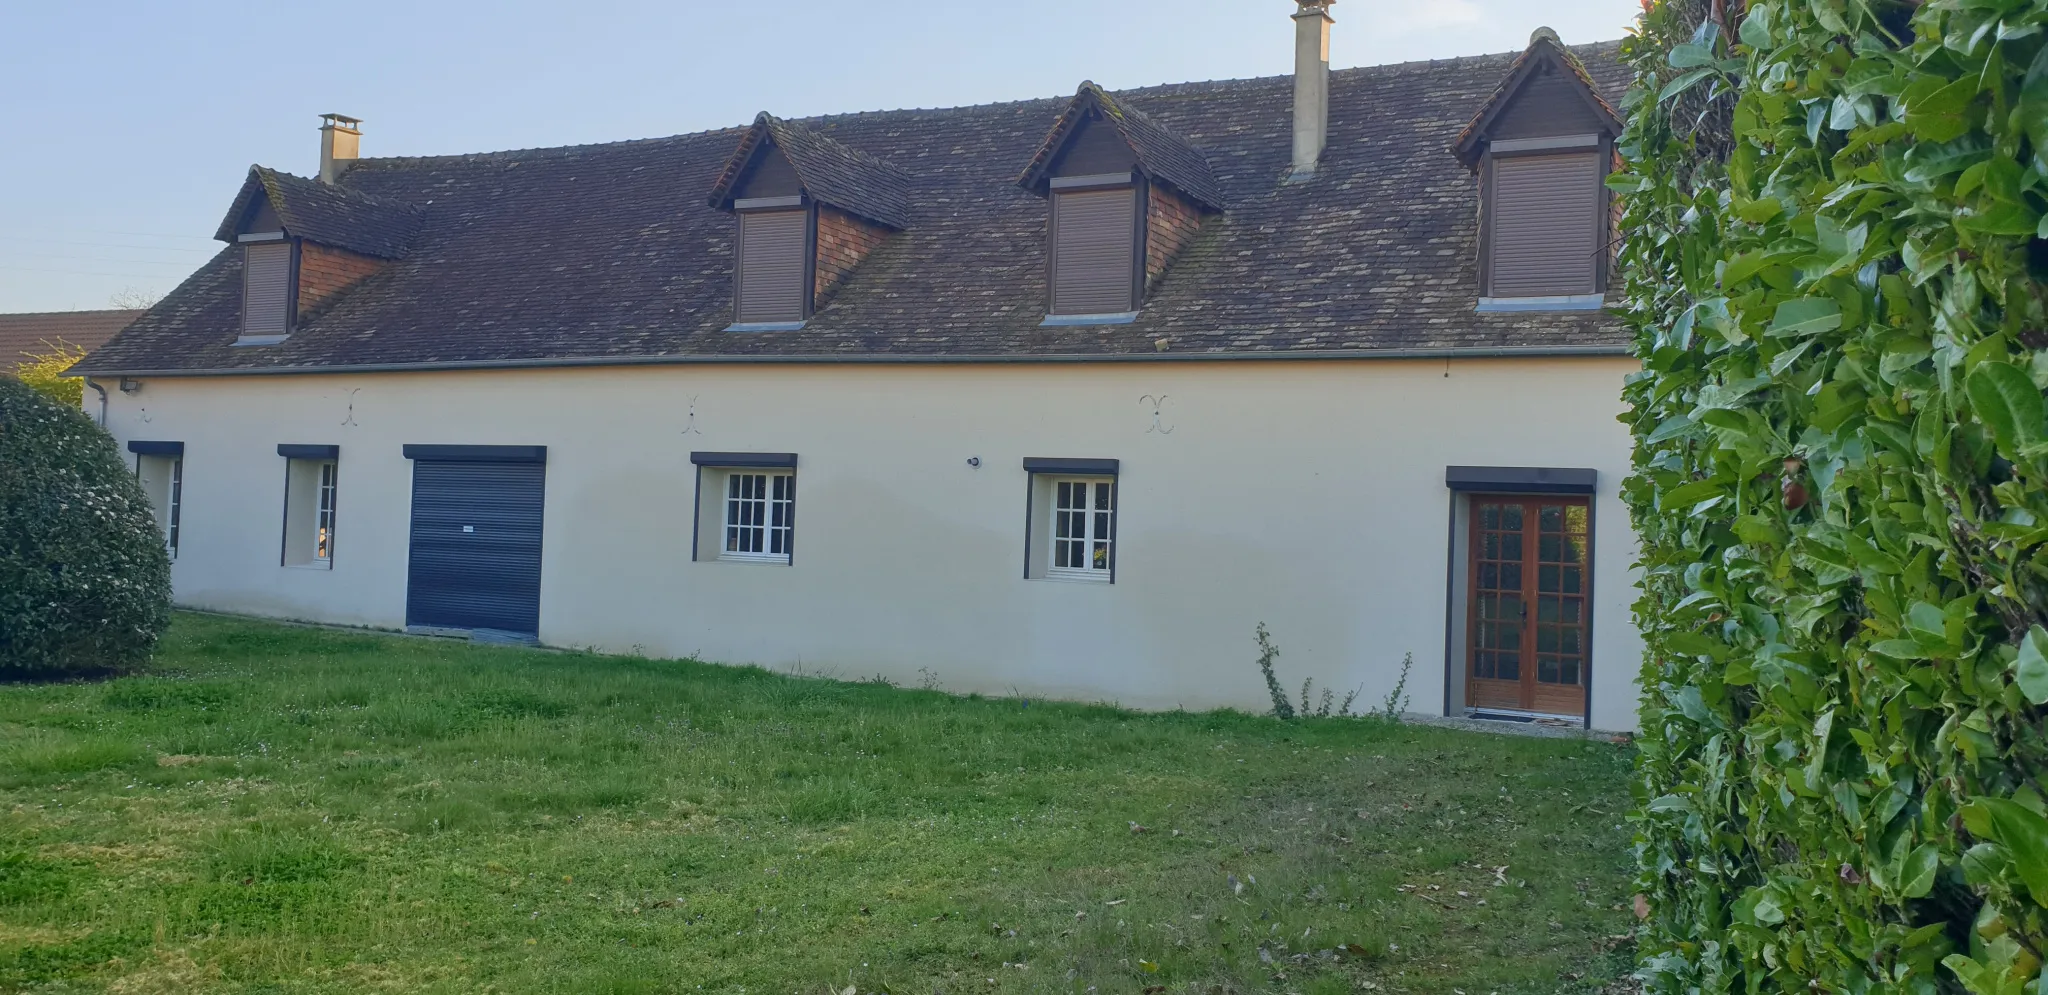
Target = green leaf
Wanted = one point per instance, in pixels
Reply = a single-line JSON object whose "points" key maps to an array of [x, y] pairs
{"points": [[1806, 316], [1937, 116], [1916, 873], [1683, 83], [2025, 836], [2031, 669], [1756, 28], [2006, 400], [1689, 55]]}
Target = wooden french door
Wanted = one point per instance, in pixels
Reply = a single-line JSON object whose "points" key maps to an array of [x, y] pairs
{"points": [[1529, 574]]}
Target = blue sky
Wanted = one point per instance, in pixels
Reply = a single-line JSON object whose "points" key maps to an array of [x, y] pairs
{"points": [[126, 128]]}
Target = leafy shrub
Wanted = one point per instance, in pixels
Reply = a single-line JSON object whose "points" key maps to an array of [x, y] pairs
{"points": [[1834, 253], [84, 579]]}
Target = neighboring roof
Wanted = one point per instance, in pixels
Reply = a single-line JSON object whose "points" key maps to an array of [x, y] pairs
{"points": [[36, 333], [1543, 47], [610, 253], [1162, 155], [830, 172], [330, 215]]}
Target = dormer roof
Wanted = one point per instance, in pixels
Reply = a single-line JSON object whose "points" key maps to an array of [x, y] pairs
{"points": [[1544, 52], [1163, 156], [831, 172], [329, 215]]}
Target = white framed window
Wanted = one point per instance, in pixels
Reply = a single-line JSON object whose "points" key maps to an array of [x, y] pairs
{"points": [[1072, 523], [176, 506], [163, 481], [760, 516], [312, 484], [746, 508], [323, 541], [1083, 528]]}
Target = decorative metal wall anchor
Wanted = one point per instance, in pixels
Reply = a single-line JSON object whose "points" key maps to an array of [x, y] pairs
{"points": [[690, 423], [1156, 404], [351, 419]]}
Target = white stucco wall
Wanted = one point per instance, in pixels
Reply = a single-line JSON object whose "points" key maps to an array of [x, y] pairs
{"points": [[1308, 495]]}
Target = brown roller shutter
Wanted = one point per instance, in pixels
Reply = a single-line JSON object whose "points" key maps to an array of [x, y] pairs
{"points": [[771, 266], [1546, 225], [266, 288], [1093, 250]]}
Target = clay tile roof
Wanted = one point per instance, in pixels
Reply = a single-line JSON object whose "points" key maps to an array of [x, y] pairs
{"points": [[831, 173], [330, 215], [1543, 44], [611, 254], [34, 333], [1162, 155]]}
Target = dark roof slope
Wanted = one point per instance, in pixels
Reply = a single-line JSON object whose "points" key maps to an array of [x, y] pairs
{"points": [[1162, 155], [330, 215], [832, 173], [610, 253], [25, 334]]}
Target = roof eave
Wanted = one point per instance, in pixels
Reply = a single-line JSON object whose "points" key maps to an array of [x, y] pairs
{"points": [[885, 359]]}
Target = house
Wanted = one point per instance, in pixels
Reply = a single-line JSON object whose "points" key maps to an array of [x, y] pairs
{"points": [[24, 335], [1060, 397]]}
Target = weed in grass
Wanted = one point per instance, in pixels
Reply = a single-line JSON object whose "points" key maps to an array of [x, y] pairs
{"points": [[26, 879], [340, 812]]}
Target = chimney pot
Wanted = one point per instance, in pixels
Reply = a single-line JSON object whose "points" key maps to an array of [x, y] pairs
{"points": [[341, 137], [1311, 84]]}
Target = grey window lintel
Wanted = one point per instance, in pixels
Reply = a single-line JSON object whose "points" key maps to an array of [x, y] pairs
{"points": [[1093, 181], [745, 460], [478, 454], [1081, 467], [1521, 479], [290, 451]]}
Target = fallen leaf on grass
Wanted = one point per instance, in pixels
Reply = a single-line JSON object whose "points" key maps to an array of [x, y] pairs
{"points": [[1119, 901], [1148, 967], [1136, 829]]}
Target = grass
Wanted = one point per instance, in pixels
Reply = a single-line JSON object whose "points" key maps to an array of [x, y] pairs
{"points": [[280, 809]]}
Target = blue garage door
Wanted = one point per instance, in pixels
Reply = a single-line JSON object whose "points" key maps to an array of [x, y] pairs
{"points": [[476, 529]]}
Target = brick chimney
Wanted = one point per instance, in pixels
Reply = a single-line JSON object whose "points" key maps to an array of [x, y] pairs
{"points": [[1311, 84], [340, 137]]}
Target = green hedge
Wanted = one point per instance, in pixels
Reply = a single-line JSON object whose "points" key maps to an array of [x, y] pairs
{"points": [[1834, 259], [84, 579]]}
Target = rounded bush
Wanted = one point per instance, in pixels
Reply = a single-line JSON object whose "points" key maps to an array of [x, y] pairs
{"points": [[85, 584]]}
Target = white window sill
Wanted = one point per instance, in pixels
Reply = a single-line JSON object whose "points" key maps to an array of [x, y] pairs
{"points": [[1119, 318], [261, 339], [1571, 302], [765, 326], [315, 565], [764, 560], [1077, 576]]}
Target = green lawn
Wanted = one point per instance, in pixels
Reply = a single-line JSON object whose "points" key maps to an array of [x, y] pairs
{"points": [[280, 809]]}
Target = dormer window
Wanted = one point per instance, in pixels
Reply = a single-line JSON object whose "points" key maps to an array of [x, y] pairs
{"points": [[772, 272], [267, 282], [1123, 197], [1097, 241], [1541, 148], [304, 244], [807, 211]]}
